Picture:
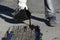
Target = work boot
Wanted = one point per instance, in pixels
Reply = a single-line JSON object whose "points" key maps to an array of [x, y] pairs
{"points": [[52, 21]]}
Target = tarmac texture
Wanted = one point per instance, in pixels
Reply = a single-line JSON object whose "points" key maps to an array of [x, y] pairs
{"points": [[36, 7]]}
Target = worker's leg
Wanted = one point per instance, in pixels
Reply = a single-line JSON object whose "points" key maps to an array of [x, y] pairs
{"points": [[23, 6], [22, 11], [49, 12]]}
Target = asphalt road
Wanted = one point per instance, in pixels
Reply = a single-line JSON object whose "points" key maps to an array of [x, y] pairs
{"points": [[36, 7]]}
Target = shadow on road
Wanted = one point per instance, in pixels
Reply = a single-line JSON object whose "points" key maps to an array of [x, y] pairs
{"points": [[6, 10], [42, 20], [9, 20]]}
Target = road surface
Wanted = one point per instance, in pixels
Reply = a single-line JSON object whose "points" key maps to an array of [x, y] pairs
{"points": [[38, 18]]}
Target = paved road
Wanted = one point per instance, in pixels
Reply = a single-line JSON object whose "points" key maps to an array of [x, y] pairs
{"points": [[49, 33], [34, 5]]}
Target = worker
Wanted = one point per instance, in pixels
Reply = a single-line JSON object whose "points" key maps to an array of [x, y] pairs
{"points": [[49, 12]]}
